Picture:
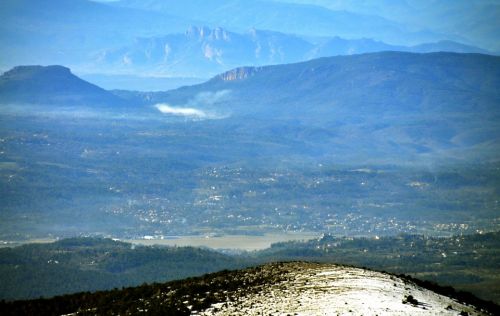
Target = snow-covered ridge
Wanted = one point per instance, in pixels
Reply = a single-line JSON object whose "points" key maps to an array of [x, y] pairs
{"points": [[314, 289]]}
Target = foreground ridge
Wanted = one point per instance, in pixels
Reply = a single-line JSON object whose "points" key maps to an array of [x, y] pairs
{"points": [[315, 289], [273, 289]]}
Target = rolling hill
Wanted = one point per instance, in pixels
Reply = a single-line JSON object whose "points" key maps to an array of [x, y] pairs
{"points": [[367, 84], [388, 104], [91, 264]]}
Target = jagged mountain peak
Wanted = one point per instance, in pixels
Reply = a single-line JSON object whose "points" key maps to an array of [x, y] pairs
{"points": [[204, 32]]}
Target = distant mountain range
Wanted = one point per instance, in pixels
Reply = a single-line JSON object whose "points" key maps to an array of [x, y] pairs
{"points": [[204, 52], [309, 20], [476, 22], [97, 37]]}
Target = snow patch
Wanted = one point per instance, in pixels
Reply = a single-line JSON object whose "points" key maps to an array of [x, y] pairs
{"points": [[339, 290]]}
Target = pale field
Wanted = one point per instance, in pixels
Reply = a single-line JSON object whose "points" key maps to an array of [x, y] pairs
{"points": [[233, 242]]}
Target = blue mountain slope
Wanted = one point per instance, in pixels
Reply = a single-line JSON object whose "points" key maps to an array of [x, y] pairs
{"points": [[51, 85], [388, 81], [387, 105]]}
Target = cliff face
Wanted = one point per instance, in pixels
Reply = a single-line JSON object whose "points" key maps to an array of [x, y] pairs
{"points": [[206, 33], [239, 73]]}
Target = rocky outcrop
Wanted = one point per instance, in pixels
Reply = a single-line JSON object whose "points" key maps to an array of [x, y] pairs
{"points": [[207, 33], [239, 73]]}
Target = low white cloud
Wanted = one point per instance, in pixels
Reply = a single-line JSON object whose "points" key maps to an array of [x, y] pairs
{"points": [[179, 111], [191, 108]]}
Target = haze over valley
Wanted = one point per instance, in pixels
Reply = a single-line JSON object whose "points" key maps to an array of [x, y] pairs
{"points": [[362, 133]]}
